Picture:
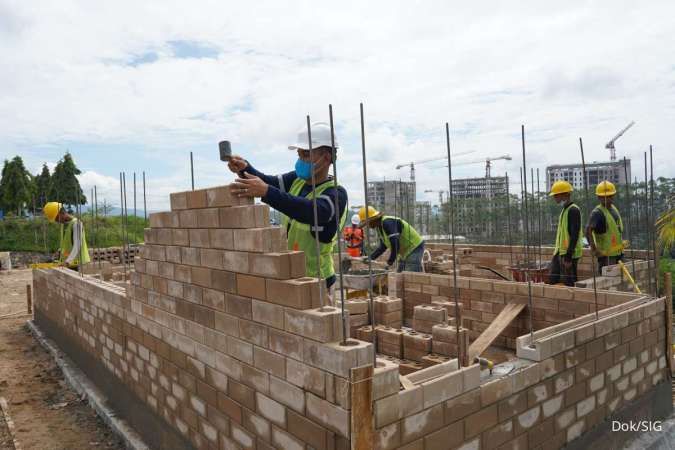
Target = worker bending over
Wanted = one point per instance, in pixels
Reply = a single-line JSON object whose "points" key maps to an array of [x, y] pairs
{"points": [[605, 228], [568, 239], [404, 243], [73, 249], [354, 237], [292, 194]]}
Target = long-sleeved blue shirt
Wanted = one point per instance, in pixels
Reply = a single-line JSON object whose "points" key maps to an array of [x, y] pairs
{"points": [[392, 228], [331, 202]]}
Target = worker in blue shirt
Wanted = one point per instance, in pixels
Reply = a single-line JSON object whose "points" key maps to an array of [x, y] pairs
{"points": [[292, 194]]}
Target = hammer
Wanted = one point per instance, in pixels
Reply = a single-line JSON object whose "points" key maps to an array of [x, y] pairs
{"points": [[226, 154]]}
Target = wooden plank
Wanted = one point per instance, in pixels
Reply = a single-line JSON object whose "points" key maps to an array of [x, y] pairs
{"points": [[503, 319], [362, 416]]}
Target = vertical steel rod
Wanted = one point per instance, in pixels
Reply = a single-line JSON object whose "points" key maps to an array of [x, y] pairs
{"points": [[343, 312], [96, 219], [629, 211], [648, 235], [539, 217], [508, 219], [192, 171], [365, 237], [534, 233], [527, 238], [588, 208], [79, 227], [145, 204], [124, 268], [135, 227], [652, 217], [125, 251], [451, 218], [316, 216]]}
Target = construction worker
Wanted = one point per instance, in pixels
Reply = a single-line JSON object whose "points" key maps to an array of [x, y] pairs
{"points": [[354, 237], [605, 228], [404, 243], [568, 239], [73, 249], [292, 194]]}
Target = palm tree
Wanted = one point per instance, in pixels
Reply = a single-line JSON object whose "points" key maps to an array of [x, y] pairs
{"points": [[665, 228]]}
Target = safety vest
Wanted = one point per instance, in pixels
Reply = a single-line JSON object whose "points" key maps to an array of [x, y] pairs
{"points": [[610, 242], [353, 236], [67, 244], [408, 241], [301, 235], [562, 238]]}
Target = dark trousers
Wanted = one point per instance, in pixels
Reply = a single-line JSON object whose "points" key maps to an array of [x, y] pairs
{"points": [[558, 273], [608, 261]]}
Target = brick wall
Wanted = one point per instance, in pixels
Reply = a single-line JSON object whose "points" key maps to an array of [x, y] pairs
{"points": [[482, 299], [600, 369], [218, 334]]}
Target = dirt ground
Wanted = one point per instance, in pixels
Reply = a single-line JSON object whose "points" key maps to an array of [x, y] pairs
{"points": [[46, 413]]}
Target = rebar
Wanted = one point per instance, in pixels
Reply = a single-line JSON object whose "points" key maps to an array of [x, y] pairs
{"points": [[629, 211], [96, 219], [145, 205], [588, 208], [527, 239], [125, 218], [365, 237], [135, 227], [652, 217], [192, 171], [539, 217], [508, 219], [338, 217], [650, 268], [78, 229], [451, 218], [124, 267]]}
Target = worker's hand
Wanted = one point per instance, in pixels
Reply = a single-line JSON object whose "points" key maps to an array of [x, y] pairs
{"points": [[250, 186], [236, 164]]}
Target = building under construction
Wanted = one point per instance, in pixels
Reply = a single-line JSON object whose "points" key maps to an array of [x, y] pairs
{"points": [[596, 172]]}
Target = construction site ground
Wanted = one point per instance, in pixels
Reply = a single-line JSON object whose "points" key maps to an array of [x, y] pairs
{"points": [[45, 412]]}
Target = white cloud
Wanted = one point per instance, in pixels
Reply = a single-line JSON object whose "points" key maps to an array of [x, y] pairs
{"points": [[569, 70]]}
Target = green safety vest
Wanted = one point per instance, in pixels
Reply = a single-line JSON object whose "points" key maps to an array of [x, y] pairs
{"points": [[610, 242], [301, 235], [562, 238], [408, 241], [66, 245]]}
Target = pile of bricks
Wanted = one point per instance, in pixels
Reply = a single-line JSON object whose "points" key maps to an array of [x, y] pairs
{"points": [[445, 342], [416, 345], [426, 316], [357, 308], [388, 311], [390, 341]]}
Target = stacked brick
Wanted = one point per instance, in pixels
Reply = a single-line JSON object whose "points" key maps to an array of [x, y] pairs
{"points": [[388, 311], [426, 316], [483, 299], [219, 333], [357, 308], [445, 340], [596, 369], [114, 255]]}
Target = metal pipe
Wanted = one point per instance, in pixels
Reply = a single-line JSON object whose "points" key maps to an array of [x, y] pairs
{"points": [[533, 240], [539, 216], [651, 230], [316, 217], [451, 218], [365, 237], [192, 171], [629, 210], [647, 225], [588, 208], [527, 238], [343, 312], [134, 217]]}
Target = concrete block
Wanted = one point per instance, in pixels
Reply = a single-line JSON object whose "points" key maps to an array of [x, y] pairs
{"points": [[254, 216], [196, 199], [259, 240], [335, 358], [442, 388], [385, 379], [315, 324], [178, 201], [275, 265], [328, 415], [300, 293]]}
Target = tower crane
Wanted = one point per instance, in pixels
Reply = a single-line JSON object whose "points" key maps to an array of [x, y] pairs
{"points": [[610, 144], [487, 161], [440, 194], [424, 161]]}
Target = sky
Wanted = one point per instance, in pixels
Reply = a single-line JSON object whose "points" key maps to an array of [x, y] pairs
{"points": [[132, 86]]}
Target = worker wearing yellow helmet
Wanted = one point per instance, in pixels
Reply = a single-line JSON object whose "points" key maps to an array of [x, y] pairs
{"points": [[605, 227], [568, 242], [73, 249], [405, 245]]}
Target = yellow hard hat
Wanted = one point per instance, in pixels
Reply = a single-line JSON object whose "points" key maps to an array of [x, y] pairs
{"points": [[560, 187], [605, 189], [51, 210], [372, 213]]}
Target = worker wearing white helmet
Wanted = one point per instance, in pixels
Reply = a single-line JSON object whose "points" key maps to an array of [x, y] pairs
{"points": [[292, 194], [353, 237]]}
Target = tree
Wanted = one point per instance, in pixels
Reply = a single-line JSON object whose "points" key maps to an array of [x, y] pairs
{"points": [[15, 186], [42, 182], [64, 186]]}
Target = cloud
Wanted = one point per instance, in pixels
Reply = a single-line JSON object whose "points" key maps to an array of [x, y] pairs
{"points": [[132, 86]]}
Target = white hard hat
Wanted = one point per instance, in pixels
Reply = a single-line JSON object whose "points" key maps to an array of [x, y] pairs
{"points": [[355, 219], [320, 137]]}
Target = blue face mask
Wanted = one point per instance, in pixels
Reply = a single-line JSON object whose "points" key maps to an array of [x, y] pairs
{"points": [[303, 169]]}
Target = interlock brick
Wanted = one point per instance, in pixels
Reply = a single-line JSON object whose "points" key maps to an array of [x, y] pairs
{"points": [[259, 240], [300, 293]]}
